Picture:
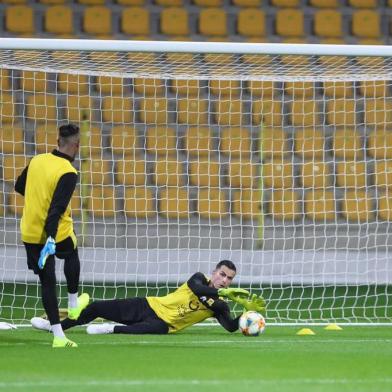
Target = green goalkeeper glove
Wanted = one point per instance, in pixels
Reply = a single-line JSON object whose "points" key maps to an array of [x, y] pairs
{"points": [[231, 293], [255, 303]]}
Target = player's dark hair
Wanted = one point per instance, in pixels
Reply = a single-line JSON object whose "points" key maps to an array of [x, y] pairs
{"points": [[227, 263], [68, 130]]}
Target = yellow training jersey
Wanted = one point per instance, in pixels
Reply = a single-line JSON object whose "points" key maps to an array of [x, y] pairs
{"points": [[43, 174]]}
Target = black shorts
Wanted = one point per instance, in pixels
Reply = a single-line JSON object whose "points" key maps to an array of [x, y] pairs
{"points": [[64, 249]]}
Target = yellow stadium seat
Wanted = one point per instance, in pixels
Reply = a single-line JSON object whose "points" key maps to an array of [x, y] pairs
{"points": [[357, 206], [212, 204], [336, 89], [351, 174], [384, 208], [235, 142], [174, 203], [204, 173], [285, 3], [154, 110], [325, 3], [91, 143], [73, 84], [98, 171], [168, 172], [248, 204], [213, 22], [257, 59], [91, 2], [169, 3], [41, 107], [102, 202], [263, 89], [208, 3], [251, 22], [161, 141], [50, 2], [77, 203], [268, 112], [46, 136], [228, 112], [13, 166], [8, 110], [124, 140], [4, 80], [34, 82], [79, 108], [284, 205], [328, 23], [305, 113], [15, 1], [315, 175], [135, 21], [342, 112], [139, 202], [290, 22], [366, 24], [131, 171], [192, 111], [309, 143], [130, 2], [174, 21], [190, 88], [59, 20], [378, 112], [277, 174], [374, 89], [198, 141], [299, 89], [12, 140], [224, 88], [242, 174], [347, 144], [15, 204], [363, 3], [273, 143], [149, 86], [19, 19], [117, 110], [383, 173], [319, 205], [110, 85], [380, 144], [247, 3], [97, 20]]}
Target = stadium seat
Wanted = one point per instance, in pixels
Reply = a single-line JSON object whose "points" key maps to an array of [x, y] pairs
{"points": [[169, 3], [187, 87], [262, 89], [380, 144], [34, 82], [328, 23], [247, 3], [357, 206], [290, 22], [192, 111], [149, 86], [212, 204], [5, 80], [117, 110], [91, 143], [14, 1], [97, 20], [139, 202], [257, 59], [168, 172], [309, 143], [342, 112], [124, 140], [73, 84], [325, 3], [46, 136], [161, 141], [315, 175], [273, 143], [174, 21], [242, 174], [285, 205], [383, 173], [109, 85], [351, 174], [204, 173], [228, 112], [366, 24], [378, 112], [198, 141], [248, 204], [76, 203], [347, 144], [213, 22], [299, 89], [374, 89], [41, 107], [131, 171], [51, 2], [154, 110], [235, 142], [305, 113], [208, 3], [221, 61], [8, 109], [102, 202], [135, 21], [251, 22], [130, 2], [277, 174], [174, 203], [13, 166], [79, 108], [59, 20], [15, 204], [268, 112], [363, 3], [19, 19], [180, 58], [319, 205], [224, 88], [12, 140], [98, 171], [336, 89], [384, 207], [285, 3]]}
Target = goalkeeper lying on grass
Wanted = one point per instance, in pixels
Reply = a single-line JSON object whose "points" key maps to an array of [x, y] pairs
{"points": [[196, 300]]}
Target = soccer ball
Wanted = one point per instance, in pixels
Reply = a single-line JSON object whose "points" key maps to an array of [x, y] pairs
{"points": [[252, 323]]}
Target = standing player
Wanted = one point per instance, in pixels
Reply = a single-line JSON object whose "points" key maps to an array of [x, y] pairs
{"points": [[194, 301], [47, 185]]}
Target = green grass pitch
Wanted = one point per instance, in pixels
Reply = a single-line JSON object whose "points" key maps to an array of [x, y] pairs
{"points": [[200, 359]]}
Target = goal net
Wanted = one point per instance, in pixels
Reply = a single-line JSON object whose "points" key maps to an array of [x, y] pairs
{"points": [[277, 157]]}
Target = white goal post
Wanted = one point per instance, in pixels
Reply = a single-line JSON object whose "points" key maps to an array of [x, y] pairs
{"points": [[275, 156]]}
